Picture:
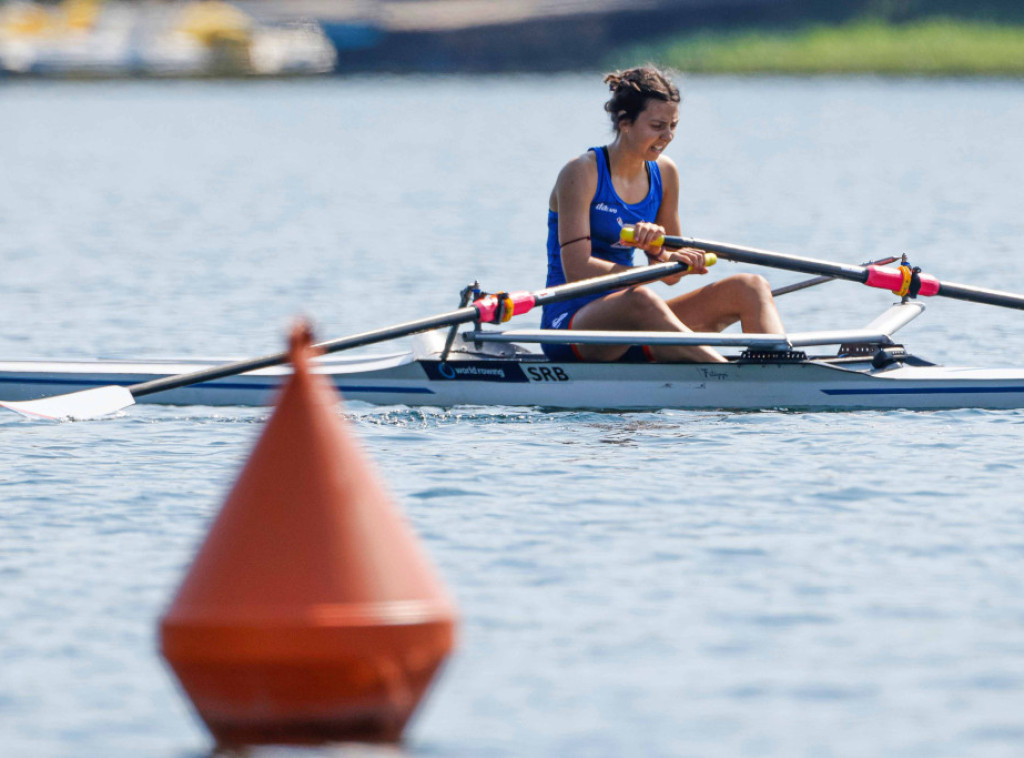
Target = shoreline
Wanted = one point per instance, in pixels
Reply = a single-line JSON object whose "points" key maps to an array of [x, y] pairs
{"points": [[928, 48]]}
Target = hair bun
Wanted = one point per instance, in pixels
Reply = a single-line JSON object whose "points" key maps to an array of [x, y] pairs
{"points": [[631, 79], [632, 88]]}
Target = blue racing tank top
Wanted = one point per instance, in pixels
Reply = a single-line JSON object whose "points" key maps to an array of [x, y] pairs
{"points": [[608, 214]]}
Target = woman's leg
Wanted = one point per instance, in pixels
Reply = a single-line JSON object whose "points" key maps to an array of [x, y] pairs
{"points": [[636, 309], [746, 298]]}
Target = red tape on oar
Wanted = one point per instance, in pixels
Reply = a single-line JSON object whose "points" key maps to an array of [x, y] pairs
{"points": [[497, 309], [903, 281]]}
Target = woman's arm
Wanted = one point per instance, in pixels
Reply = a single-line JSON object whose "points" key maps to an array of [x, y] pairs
{"points": [[574, 191]]}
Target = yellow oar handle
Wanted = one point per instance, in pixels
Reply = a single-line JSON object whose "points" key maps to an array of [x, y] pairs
{"points": [[626, 235]]}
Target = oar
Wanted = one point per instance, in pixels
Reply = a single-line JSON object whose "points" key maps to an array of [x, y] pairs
{"points": [[903, 281], [815, 281], [102, 401]]}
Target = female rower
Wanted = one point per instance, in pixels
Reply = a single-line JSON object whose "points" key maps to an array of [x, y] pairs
{"points": [[631, 181]]}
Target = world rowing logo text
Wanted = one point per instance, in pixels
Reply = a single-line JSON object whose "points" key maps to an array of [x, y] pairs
{"points": [[475, 371], [453, 371]]}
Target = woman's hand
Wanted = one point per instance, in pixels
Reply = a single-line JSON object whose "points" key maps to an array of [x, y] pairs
{"points": [[644, 235], [688, 255]]}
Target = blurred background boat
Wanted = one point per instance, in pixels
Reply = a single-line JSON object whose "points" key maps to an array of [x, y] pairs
{"points": [[91, 38]]}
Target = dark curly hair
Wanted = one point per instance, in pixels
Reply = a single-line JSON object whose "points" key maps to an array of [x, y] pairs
{"points": [[632, 88]]}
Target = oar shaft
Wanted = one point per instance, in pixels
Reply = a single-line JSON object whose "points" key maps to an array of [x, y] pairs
{"points": [[483, 310], [981, 295], [629, 278], [774, 260], [460, 316], [806, 283]]}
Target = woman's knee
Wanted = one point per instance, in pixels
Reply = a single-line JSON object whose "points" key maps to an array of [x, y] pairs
{"points": [[750, 286], [648, 309]]}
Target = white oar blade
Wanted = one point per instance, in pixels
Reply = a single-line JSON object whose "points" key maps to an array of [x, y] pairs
{"points": [[75, 406]]}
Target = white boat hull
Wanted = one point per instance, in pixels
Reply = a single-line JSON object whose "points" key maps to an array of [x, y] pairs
{"points": [[405, 379]]}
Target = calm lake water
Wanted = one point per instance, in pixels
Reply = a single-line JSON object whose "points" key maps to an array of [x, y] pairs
{"points": [[649, 584]]}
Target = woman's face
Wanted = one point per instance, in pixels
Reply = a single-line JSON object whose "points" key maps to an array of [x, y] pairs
{"points": [[654, 128]]}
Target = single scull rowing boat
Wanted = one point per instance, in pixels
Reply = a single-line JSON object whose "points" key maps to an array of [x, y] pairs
{"points": [[867, 369], [491, 367]]}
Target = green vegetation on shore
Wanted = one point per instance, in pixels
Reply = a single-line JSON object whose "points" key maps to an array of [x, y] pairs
{"points": [[938, 46]]}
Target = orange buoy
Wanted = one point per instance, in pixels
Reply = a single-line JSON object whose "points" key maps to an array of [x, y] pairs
{"points": [[310, 613]]}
